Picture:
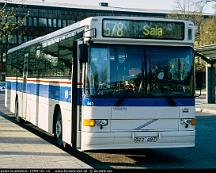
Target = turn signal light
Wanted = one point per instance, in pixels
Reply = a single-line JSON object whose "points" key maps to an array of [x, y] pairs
{"points": [[88, 122], [193, 122]]}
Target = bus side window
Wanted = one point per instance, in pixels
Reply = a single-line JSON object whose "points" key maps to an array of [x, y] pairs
{"points": [[41, 65], [18, 61], [32, 63], [13, 68], [65, 56]]}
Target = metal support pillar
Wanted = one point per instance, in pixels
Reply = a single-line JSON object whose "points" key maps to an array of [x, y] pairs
{"points": [[210, 83]]}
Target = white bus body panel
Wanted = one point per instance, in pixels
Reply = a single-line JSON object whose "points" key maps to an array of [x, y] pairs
{"points": [[40, 111]]}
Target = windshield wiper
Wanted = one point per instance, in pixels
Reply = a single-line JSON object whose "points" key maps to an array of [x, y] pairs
{"points": [[171, 101], [119, 102]]}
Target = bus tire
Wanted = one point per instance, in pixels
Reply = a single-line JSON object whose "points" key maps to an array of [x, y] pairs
{"points": [[58, 129], [17, 117]]}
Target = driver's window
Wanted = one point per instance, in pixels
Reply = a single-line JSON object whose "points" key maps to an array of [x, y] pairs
{"points": [[98, 69]]}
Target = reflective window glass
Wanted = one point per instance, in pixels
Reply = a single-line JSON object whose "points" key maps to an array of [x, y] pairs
{"points": [[64, 23], [34, 21], [30, 37], [25, 38], [42, 22], [3, 20], [24, 21], [59, 23], [4, 39], [29, 21], [12, 39], [49, 22], [54, 23], [19, 39], [70, 22]]}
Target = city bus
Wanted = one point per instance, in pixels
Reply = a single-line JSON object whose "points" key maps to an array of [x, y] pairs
{"points": [[108, 82]]}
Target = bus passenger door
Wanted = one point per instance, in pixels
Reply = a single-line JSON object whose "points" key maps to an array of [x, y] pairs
{"points": [[77, 79], [24, 87]]}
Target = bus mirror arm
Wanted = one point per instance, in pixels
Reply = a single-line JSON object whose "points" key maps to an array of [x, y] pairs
{"points": [[200, 89], [83, 53], [198, 83]]}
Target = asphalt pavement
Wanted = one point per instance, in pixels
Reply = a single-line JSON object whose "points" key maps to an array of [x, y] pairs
{"points": [[203, 106], [20, 148]]}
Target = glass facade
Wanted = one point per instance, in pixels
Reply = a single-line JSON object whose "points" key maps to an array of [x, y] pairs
{"points": [[42, 20]]}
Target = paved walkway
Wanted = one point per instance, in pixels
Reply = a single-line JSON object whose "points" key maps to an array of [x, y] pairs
{"points": [[202, 106], [20, 148]]}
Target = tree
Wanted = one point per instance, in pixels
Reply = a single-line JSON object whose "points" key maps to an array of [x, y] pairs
{"points": [[8, 22], [209, 28], [191, 10], [205, 27], [208, 31], [10, 25]]}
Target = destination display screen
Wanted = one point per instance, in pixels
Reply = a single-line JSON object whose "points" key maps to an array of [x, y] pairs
{"points": [[119, 28]]}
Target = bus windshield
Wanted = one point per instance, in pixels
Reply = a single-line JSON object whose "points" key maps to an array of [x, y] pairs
{"points": [[140, 71]]}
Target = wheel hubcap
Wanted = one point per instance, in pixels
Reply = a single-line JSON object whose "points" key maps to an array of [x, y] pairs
{"points": [[58, 128]]}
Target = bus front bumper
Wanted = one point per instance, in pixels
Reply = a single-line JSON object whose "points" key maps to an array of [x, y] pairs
{"points": [[137, 140]]}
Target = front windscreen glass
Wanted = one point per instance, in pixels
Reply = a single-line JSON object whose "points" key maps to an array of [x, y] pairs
{"points": [[139, 71], [171, 71]]}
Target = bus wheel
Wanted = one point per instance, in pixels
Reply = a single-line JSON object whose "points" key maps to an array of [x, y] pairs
{"points": [[18, 119], [58, 130]]}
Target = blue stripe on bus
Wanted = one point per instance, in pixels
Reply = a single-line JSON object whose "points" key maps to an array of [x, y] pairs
{"points": [[60, 93], [138, 101], [63, 93]]}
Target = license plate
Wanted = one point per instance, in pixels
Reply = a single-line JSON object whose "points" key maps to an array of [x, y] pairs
{"points": [[145, 139]]}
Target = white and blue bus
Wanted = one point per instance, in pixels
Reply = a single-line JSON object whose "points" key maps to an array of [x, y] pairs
{"points": [[108, 83]]}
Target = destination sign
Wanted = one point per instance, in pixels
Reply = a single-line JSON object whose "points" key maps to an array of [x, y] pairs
{"points": [[118, 28]]}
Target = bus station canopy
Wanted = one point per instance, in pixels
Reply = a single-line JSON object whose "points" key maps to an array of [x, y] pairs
{"points": [[209, 51], [208, 54]]}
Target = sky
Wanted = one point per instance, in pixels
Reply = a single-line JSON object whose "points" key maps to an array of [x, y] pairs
{"points": [[142, 4]]}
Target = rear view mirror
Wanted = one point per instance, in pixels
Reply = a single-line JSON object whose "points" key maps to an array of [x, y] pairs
{"points": [[83, 53]]}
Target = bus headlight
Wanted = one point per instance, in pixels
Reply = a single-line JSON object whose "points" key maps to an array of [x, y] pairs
{"points": [[101, 123], [92, 123]]}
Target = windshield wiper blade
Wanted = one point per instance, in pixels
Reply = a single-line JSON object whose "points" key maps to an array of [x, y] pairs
{"points": [[119, 102], [171, 101]]}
